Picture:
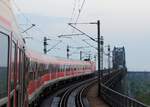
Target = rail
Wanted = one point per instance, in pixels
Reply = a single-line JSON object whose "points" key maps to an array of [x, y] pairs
{"points": [[81, 96], [116, 99], [73, 95]]}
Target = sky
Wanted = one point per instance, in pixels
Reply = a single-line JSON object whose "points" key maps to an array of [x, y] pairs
{"points": [[123, 23]]}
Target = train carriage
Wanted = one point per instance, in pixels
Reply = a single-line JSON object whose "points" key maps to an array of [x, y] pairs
{"points": [[12, 59], [44, 70], [25, 74]]}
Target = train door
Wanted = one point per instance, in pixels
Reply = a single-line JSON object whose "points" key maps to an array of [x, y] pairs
{"points": [[26, 74], [57, 71], [17, 96], [50, 71], [21, 85], [16, 79], [4, 66], [12, 73], [36, 75], [21, 79]]}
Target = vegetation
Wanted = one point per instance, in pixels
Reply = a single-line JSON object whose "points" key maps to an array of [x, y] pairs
{"points": [[137, 85]]}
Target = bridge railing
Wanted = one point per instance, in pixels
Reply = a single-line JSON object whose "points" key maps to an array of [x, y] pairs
{"points": [[116, 99]]}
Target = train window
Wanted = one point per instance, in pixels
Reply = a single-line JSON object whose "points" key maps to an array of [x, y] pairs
{"points": [[3, 65], [64, 68], [42, 69], [18, 66], [13, 61], [61, 68], [67, 69], [36, 70], [57, 68], [39, 72], [46, 67], [31, 75], [21, 67], [49, 68], [54, 68]]}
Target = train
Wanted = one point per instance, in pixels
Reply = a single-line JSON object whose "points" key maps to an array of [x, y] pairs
{"points": [[25, 74]]}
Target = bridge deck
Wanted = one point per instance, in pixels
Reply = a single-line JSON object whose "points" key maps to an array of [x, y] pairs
{"points": [[93, 98]]}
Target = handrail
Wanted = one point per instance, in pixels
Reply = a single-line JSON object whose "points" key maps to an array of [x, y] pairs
{"points": [[116, 99]]}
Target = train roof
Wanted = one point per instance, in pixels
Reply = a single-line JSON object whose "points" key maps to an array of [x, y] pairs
{"points": [[42, 58], [8, 23]]}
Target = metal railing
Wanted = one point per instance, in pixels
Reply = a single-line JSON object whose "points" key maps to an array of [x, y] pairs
{"points": [[116, 99]]}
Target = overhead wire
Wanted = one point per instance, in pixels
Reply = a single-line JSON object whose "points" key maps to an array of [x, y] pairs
{"points": [[36, 28], [80, 10], [21, 13], [28, 20], [71, 17], [74, 18], [73, 11]]}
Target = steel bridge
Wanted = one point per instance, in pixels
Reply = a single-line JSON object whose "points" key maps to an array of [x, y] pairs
{"points": [[108, 82], [114, 98]]}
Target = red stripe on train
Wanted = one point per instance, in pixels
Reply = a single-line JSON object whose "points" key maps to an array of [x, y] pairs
{"points": [[5, 21]]}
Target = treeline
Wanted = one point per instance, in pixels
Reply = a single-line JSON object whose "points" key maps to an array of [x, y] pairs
{"points": [[137, 85]]}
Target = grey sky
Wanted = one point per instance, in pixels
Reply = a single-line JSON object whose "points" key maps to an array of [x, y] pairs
{"points": [[123, 23]]}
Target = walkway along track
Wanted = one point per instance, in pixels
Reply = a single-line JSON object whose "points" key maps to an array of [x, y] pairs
{"points": [[74, 95], [81, 95]]}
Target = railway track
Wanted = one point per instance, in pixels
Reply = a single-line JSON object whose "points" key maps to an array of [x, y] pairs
{"points": [[73, 96], [81, 95]]}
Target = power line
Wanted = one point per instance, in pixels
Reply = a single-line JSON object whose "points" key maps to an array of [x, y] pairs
{"points": [[72, 16], [73, 11], [37, 28], [80, 10], [89, 44], [19, 10]]}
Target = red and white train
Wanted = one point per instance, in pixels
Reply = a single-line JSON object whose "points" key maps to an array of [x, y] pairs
{"points": [[24, 74]]}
